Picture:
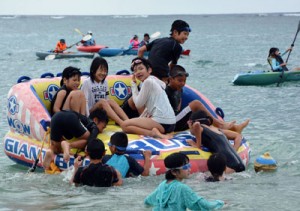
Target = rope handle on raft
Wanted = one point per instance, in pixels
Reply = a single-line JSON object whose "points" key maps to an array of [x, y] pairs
{"points": [[32, 169], [191, 152]]}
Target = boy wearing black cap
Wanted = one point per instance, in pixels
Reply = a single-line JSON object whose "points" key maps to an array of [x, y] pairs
{"points": [[96, 173], [125, 164], [165, 52]]}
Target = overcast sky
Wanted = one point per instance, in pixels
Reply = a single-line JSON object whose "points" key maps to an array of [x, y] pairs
{"points": [[144, 7]]}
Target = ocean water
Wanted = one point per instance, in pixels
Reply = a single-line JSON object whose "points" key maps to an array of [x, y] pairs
{"points": [[221, 46]]}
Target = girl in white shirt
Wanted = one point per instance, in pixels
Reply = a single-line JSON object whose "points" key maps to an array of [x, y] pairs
{"points": [[158, 117], [96, 92]]}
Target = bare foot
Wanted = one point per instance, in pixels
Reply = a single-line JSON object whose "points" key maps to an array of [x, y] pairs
{"points": [[223, 125], [156, 134], [66, 148], [239, 128], [228, 125]]}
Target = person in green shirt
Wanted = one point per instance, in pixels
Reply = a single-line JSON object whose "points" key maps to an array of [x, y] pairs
{"points": [[172, 194]]}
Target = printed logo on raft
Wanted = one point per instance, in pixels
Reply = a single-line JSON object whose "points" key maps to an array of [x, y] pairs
{"points": [[50, 92], [13, 106], [28, 153], [120, 90], [16, 124]]}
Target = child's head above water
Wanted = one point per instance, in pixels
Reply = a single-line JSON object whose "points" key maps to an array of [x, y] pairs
{"points": [[216, 164], [95, 149], [174, 163], [119, 142]]}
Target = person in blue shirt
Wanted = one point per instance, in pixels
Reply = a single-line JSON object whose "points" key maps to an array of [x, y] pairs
{"points": [[90, 42], [126, 165], [172, 194], [275, 60]]}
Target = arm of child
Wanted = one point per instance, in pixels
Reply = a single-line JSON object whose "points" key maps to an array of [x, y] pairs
{"points": [[120, 180], [147, 155], [197, 132], [59, 101], [142, 51], [77, 163]]}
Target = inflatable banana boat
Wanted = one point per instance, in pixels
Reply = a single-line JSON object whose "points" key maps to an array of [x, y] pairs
{"points": [[28, 105]]}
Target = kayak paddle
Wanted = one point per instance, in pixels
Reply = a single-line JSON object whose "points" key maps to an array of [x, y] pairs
{"points": [[155, 35], [52, 56], [292, 45], [79, 32]]}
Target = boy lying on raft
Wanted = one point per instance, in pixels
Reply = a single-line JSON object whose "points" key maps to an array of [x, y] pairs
{"points": [[70, 124]]}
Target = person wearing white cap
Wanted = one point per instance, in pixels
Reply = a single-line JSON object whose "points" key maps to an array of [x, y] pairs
{"points": [[90, 42]]}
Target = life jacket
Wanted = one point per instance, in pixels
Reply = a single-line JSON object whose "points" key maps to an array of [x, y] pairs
{"points": [[60, 47], [120, 163], [134, 44], [279, 60]]}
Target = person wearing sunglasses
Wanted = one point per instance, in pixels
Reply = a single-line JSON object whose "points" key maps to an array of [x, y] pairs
{"points": [[172, 194], [165, 52], [158, 117], [214, 139]]}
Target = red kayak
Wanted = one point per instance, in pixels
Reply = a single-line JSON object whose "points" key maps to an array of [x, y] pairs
{"points": [[91, 49], [186, 52]]}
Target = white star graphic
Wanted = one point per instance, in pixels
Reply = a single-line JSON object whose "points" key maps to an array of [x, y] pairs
{"points": [[153, 170], [52, 92], [120, 90], [12, 105]]}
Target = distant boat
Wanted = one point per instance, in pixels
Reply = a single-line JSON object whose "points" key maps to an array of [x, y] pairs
{"points": [[9, 17], [262, 78], [64, 55], [57, 17]]}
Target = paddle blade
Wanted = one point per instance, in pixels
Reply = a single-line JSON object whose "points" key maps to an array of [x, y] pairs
{"points": [[78, 31], [87, 37], [50, 57], [298, 27], [155, 35]]}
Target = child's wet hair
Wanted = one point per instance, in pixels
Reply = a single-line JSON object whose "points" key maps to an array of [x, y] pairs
{"points": [[139, 60], [174, 161], [272, 51], [180, 26], [216, 164], [178, 70], [202, 117], [68, 73], [96, 63], [120, 140], [100, 114], [95, 149]]}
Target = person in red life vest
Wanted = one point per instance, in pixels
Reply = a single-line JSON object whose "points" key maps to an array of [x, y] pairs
{"points": [[134, 43], [61, 46]]}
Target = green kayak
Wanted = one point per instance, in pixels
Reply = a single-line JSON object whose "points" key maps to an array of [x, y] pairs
{"points": [[261, 77]]}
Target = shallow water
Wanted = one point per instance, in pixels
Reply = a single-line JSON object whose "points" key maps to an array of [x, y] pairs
{"points": [[221, 46]]}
